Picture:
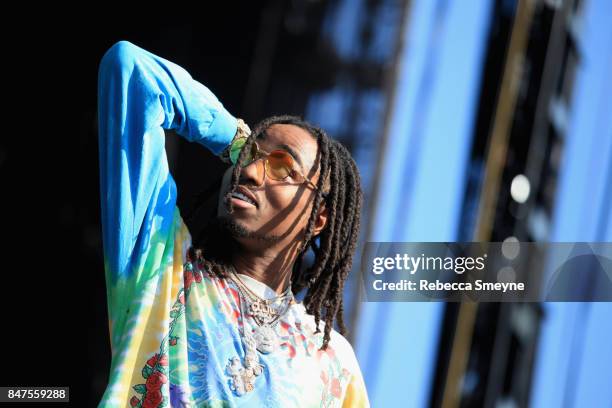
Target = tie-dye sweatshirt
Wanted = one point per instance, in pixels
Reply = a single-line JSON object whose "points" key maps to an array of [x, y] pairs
{"points": [[174, 327]]}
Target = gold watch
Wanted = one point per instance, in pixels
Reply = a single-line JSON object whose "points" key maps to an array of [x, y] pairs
{"points": [[243, 131]]}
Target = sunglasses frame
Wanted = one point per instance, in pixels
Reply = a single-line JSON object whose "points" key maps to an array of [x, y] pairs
{"points": [[260, 154]]}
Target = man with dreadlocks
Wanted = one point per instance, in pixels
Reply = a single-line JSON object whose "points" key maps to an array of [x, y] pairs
{"points": [[217, 323]]}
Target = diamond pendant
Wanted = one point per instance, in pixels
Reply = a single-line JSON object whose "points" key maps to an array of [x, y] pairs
{"points": [[262, 311], [266, 339], [242, 377]]}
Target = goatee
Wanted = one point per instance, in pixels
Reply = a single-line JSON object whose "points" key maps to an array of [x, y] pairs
{"points": [[237, 230]]}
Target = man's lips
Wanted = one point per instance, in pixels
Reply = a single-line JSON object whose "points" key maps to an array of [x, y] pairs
{"points": [[238, 203], [243, 197]]}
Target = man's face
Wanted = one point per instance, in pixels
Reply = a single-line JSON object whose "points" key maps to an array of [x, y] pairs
{"points": [[282, 207]]}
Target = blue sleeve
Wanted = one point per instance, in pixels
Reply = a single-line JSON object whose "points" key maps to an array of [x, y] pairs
{"points": [[140, 95]]}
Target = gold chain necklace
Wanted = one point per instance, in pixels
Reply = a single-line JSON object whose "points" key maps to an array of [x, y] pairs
{"points": [[263, 310], [265, 339]]}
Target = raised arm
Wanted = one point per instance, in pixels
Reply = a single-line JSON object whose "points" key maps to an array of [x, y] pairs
{"points": [[140, 95]]}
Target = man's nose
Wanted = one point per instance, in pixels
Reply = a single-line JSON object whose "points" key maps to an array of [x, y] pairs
{"points": [[253, 173]]}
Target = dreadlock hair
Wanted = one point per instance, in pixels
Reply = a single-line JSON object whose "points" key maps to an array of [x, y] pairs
{"points": [[339, 189]]}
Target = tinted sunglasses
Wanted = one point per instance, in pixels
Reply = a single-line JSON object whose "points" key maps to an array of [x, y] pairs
{"points": [[278, 164]]}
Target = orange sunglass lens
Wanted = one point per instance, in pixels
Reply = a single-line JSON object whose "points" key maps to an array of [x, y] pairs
{"points": [[280, 164]]}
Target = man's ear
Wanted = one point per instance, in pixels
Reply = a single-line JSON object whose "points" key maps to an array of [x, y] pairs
{"points": [[321, 220]]}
